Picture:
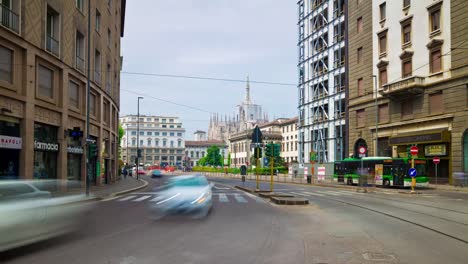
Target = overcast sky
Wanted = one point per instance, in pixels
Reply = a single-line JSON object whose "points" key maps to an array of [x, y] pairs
{"points": [[209, 38]]}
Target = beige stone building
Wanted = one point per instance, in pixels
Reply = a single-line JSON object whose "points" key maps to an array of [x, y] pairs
{"points": [[415, 51], [43, 70]]}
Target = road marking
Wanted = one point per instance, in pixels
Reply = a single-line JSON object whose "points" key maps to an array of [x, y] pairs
{"points": [[220, 188], [142, 198], [329, 193], [239, 198], [256, 198], [165, 200], [340, 193], [145, 193], [349, 192], [317, 194], [127, 198], [223, 198], [299, 194]]}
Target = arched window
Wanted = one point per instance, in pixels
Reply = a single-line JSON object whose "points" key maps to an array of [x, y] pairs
{"points": [[191, 154], [203, 153], [156, 142], [179, 143], [360, 143], [149, 141], [198, 155]]}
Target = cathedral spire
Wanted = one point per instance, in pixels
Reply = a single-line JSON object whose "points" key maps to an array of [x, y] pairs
{"points": [[247, 91]]}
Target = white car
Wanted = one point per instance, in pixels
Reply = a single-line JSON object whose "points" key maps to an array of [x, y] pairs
{"points": [[29, 214]]}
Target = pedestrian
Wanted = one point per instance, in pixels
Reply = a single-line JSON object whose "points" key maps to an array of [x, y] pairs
{"points": [[125, 172]]}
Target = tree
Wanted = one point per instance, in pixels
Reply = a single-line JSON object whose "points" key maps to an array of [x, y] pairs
{"points": [[213, 156], [121, 134], [202, 161]]}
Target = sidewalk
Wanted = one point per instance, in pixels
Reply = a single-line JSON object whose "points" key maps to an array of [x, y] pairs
{"points": [[122, 186]]}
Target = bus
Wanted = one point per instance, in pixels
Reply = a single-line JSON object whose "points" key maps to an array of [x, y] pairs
{"points": [[390, 171]]}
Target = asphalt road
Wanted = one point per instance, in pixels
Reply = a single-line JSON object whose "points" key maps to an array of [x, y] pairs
{"points": [[339, 226]]}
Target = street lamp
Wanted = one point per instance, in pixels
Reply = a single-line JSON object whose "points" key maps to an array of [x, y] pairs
{"points": [[376, 118], [126, 139], [138, 137]]}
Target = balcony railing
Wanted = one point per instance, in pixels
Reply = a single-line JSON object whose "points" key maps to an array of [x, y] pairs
{"points": [[52, 45], [80, 63], [407, 87], [9, 19]]}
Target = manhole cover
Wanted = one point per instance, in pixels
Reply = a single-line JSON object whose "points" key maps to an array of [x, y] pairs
{"points": [[374, 256]]}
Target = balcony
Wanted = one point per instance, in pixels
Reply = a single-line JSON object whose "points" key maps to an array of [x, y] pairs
{"points": [[407, 87], [52, 45], [9, 19]]}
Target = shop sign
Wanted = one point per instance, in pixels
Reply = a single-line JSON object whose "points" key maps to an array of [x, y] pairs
{"points": [[430, 137], [75, 150], [321, 174], [435, 150], [45, 146], [10, 142]]}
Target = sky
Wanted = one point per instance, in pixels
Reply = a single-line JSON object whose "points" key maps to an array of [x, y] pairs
{"points": [[227, 39]]}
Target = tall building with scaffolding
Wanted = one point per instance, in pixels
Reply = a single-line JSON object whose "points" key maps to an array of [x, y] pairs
{"points": [[322, 80]]}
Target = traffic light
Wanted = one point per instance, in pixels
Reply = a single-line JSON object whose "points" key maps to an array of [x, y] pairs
{"points": [[93, 151], [268, 150], [258, 152], [277, 150]]}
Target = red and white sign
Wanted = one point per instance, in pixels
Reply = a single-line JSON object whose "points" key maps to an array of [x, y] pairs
{"points": [[436, 160], [321, 174], [414, 150], [362, 151], [306, 172], [10, 142]]}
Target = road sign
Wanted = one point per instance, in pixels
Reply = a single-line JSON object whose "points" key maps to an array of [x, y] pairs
{"points": [[257, 135], [414, 150], [436, 160], [313, 156], [362, 151], [412, 172]]}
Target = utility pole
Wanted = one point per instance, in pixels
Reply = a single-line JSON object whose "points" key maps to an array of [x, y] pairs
{"points": [[138, 137], [376, 153], [88, 93], [126, 132]]}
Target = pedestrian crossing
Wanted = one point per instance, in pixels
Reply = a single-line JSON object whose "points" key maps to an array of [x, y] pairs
{"points": [[221, 197]]}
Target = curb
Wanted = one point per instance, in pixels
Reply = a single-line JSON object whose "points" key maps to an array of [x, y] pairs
{"points": [[289, 201], [245, 189], [145, 183]]}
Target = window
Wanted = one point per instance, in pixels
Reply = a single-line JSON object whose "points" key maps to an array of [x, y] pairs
{"points": [[406, 31], [92, 104], [382, 77], [383, 11], [179, 143], [407, 109], [171, 120], [106, 112], [164, 133], [156, 142], [179, 134], [109, 4], [133, 133], [149, 142], [360, 85], [141, 142], [52, 31], [133, 142], [436, 61], [108, 37], [359, 55], [156, 133], [74, 94], [46, 79], [383, 113], [435, 20], [358, 2], [407, 68], [80, 5], [361, 118], [97, 66], [98, 21], [142, 133], [406, 3], [359, 25], [164, 143], [171, 134], [6, 65], [80, 51], [163, 120], [108, 79], [436, 104], [164, 126], [383, 43]]}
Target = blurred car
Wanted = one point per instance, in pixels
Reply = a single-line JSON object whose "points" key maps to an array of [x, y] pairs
{"points": [[156, 174], [29, 214], [141, 171], [189, 194], [169, 169]]}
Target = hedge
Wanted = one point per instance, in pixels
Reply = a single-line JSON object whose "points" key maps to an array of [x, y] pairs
{"points": [[261, 171]]}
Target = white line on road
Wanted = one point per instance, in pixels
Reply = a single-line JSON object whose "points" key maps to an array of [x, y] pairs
{"points": [[328, 193], [301, 194], [142, 198], [221, 188], [111, 198], [340, 193], [165, 200], [127, 198], [311, 193], [256, 198], [223, 198], [239, 198]]}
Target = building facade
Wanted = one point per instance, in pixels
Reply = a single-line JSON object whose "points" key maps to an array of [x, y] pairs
{"points": [[43, 76], [247, 116], [289, 142], [161, 140], [197, 149], [322, 79], [419, 94]]}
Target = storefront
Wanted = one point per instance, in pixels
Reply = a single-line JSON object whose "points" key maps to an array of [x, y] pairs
{"points": [[430, 144], [10, 148], [46, 149], [74, 159]]}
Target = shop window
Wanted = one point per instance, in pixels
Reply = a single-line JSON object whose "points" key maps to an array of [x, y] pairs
{"points": [[45, 153], [436, 103], [6, 65]]}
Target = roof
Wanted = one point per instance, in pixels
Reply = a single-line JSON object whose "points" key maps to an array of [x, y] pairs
{"points": [[280, 121], [204, 143], [199, 131]]}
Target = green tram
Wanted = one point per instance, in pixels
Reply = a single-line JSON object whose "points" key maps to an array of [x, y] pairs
{"points": [[391, 171]]}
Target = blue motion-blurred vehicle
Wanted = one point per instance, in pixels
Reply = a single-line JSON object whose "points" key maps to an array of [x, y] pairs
{"points": [[190, 194], [156, 174]]}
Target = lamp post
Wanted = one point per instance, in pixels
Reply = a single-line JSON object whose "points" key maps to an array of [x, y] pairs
{"points": [[376, 117], [126, 139], [138, 138]]}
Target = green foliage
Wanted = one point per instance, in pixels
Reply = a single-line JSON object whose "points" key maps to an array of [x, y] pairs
{"points": [[213, 157], [202, 161], [261, 171], [229, 159], [121, 132]]}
